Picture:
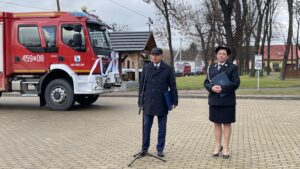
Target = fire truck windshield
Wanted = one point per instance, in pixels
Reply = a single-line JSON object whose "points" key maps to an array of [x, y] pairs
{"points": [[99, 36]]}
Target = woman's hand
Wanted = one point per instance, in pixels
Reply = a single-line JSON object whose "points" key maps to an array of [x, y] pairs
{"points": [[216, 89]]}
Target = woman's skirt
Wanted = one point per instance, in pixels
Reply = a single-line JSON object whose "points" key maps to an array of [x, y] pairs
{"points": [[222, 114]]}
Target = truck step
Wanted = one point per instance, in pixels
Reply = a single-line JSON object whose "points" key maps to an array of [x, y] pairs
{"points": [[30, 82], [29, 95]]}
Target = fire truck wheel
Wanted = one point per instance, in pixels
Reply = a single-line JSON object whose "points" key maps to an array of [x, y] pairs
{"points": [[59, 95], [86, 100]]}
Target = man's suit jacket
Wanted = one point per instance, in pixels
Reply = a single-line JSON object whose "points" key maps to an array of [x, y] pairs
{"points": [[229, 99], [158, 81]]}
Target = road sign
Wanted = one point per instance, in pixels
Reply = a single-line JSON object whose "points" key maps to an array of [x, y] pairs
{"points": [[258, 62]]}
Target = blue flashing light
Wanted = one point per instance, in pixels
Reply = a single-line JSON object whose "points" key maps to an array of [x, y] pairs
{"points": [[78, 14]]}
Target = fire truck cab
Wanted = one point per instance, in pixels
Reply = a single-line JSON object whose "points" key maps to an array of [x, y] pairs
{"points": [[61, 57]]}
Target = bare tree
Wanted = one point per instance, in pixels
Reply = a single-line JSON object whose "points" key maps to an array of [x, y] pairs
{"points": [[237, 29], [206, 30], [227, 9], [250, 24], [207, 24], [289, 40], [297, 16], [240, 15], [265, 30], [272, 16], [199, 24], [118, 28], [234, 23], [167, 10], [261, 8]]}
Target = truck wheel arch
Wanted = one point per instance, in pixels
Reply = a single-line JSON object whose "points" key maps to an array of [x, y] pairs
{"points": [[59, 94], [53, 74]]}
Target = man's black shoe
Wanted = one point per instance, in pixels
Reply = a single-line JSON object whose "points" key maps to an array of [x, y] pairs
{"points": [[160, 154]]}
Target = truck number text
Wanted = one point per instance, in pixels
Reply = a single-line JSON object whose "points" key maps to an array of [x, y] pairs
{"points": [[33, 58]]}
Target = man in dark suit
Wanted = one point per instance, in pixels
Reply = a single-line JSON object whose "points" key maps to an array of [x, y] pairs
{"points": [[157, 77]]}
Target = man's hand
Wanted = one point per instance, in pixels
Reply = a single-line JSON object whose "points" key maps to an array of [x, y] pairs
{"points": [[216, 89]]}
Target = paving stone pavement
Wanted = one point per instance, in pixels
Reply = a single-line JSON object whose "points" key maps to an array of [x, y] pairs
{"points": [[107, 134]]}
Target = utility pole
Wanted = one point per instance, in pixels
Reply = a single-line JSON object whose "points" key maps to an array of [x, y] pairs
{"points": [[58, 6]]}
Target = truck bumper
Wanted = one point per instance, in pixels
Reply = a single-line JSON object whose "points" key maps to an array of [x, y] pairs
{"points": [[94, 84]]}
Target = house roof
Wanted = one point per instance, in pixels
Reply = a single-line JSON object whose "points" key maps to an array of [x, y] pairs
{"points": [[277, 52], [132, 41]]}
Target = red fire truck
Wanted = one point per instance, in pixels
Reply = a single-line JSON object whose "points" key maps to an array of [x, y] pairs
{"points": [[62, 57]]}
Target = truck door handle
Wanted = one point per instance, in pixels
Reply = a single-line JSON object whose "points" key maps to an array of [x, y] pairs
{"points": [[61, 58], [17, 59]]}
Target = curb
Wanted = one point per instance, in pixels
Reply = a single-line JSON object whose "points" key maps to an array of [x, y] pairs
{"points": [[259, 97], [191, 96]]}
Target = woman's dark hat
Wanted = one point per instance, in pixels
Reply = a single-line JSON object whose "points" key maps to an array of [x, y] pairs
{"points": [[223, 47], [156, 51]]}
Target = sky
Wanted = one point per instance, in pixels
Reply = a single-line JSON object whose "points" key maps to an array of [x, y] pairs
{"points": [[108, 10], [133, 13]]}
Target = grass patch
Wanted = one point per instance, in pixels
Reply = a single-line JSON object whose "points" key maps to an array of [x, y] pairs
{"points": [[273, 81], [190, 82], [268, 82]]}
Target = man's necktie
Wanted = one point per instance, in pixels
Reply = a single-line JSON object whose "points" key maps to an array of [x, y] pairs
{"points": [[156, 67]]}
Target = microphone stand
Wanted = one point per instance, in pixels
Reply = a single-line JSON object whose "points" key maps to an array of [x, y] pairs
{"points": [[142, 153]]}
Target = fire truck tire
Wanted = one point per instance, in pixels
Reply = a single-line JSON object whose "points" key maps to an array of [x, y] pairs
{"points": [[59, 95], [86, 100]]}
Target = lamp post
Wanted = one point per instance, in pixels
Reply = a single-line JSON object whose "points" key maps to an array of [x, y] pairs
{"points": [[149, 23], [196, 59]]}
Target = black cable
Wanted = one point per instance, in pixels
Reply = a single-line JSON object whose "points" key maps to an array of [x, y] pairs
{"points": [[122, 6]]}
